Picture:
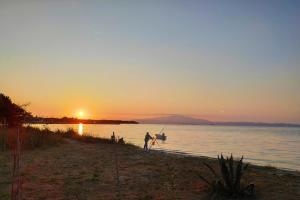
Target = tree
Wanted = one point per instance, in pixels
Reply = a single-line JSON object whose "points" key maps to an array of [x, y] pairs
{"points": [[11, 114]]}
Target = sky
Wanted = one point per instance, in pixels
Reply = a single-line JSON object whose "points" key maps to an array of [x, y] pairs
{"points": [[217, 60]]}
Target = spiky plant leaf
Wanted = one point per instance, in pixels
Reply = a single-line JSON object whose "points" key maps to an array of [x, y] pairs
{"points": [[225, 172], [210, 168], [219, 159], [245, 167], [231, 170], [204, 179], [238, 175]]}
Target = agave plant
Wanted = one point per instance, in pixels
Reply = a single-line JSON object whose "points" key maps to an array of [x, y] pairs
{"points": [[229, 185]]}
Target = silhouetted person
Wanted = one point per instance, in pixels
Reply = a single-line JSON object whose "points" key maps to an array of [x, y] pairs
{"points": [[121, 141], [147, 138], [113, 137]]}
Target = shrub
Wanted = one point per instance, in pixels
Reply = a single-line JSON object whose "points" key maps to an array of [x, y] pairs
{"points": [[228, 185]]}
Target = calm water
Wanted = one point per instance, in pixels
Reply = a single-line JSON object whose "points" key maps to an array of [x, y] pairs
{"points": [[279, 147]]}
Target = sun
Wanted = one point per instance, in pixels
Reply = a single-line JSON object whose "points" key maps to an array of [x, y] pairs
{"points": [[80, 114]]}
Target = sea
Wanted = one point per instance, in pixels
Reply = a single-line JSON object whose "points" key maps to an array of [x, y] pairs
{"points": [[267, 146]]}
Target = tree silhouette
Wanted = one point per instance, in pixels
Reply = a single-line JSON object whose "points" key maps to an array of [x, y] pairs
{"points": [[11, 114]]}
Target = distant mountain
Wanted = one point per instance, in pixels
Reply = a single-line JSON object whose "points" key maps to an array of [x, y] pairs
{"points": [[256, 124], [184, 120], [175, 119]]}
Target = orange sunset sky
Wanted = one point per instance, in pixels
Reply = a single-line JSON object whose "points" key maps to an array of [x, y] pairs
{"points": [[146, 59]]}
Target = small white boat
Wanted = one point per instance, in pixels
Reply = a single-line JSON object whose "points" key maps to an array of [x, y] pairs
{"points": [[161, 137]]}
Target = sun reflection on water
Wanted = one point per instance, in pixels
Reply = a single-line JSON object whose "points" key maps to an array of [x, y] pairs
{"points": [[80, 129]]}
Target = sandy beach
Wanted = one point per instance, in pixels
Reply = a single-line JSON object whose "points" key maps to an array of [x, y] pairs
{"points": [[79, 170]]}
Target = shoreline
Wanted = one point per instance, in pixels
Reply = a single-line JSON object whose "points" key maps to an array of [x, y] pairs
{"points": [[284, 163], [183, 154]]}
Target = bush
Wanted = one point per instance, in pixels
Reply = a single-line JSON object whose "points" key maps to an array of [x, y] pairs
{"points": [[228, 185]]}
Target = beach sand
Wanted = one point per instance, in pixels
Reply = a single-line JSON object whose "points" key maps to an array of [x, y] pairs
{"points": [[77, 170]]}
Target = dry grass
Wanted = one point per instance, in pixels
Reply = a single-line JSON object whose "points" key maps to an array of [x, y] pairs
{"points": [[31, 138]]}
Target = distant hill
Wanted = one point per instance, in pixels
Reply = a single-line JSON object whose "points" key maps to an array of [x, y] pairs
{"points": [[175, 119], [67, 120], [184, 120]]}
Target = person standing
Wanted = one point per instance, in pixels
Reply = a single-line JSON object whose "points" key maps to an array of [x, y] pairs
{"points": [[113, 137], [147, 138]]}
